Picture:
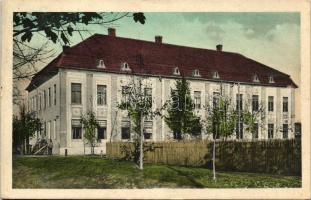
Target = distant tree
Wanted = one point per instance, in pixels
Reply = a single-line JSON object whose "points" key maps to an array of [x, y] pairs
{"points": [[139, 106], [57, 27], [180, 115], [90, 124], [24, 126], [220, 121]]}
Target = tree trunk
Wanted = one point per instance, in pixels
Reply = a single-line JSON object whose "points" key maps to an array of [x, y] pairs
{"points": [[141, 149], [27, 145], [214, 169]]}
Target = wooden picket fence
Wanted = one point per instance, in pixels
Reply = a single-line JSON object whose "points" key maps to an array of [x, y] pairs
{"points": [[269, 156]]}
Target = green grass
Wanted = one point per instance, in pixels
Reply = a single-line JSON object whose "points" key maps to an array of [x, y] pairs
{"points": [[96, 172]]}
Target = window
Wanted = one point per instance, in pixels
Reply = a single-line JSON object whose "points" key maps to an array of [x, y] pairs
{"points": [[44, 99], [125, 93], [101, 64], [255, 131], [76, 129], [49, 127], [148, 95], [215, 99], [50, 98], [239, 101], [196, 73], [101, 95], [54, 129], [255, 103], [54, 94], [36, 103], [285, 104], [271, 79], [285, 131], [125, 67], [76, 93], [270, 103], [270, 131], [255, 78], [147, 135], [176, 71], [40, 101], [239, 131], [101, 133], [102, 130], [197, 99], [215, 74], [44, 128], [125, 133]]}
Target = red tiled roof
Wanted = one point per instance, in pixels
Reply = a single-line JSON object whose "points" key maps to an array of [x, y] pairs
{"points": [[160, 59]]}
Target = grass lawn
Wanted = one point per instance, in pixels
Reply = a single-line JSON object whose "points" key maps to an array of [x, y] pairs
{"points": [[96, 172]]}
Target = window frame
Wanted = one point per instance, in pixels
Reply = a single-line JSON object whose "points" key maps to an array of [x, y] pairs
{"points": [[74, 93], [54, 96], [285, 131], [197, 99], [104, 133], [270, 128], [255, 102], [239, 131], [239, 101], [270, 104], [101, 96], [129, 133], [49, 97], [255, 133], [285, 104]]}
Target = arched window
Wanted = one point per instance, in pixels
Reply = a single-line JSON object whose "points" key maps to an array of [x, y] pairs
{"points": [[255, 78], [101, 64], [196, 73], [216, 74], [125, 67], [271, 79], [176, 71]]}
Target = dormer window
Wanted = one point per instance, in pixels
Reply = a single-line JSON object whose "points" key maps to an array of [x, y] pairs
{"points": [[101, 64], [271, 79], [255, 78], [215, 75], [125, 67], [196, 73], [176, 71]]}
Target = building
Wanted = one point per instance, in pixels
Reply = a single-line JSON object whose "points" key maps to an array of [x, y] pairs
{"points": [[90, 76]]}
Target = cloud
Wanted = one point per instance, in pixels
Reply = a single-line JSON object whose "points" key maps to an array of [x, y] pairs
{"points": [[215, 32], [259, 22]]}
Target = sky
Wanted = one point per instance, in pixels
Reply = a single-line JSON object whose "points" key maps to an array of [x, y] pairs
{"points": [[270, 38]]}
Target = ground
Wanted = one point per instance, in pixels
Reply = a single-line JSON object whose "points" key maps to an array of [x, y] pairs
{"points": [[97, 172]]}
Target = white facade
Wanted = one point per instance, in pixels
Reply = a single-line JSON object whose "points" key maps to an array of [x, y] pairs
{"points": [[59, 117]]}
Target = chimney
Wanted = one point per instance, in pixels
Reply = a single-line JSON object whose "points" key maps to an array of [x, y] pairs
{"points": [[158, 39], [112, 32], [65, 48], [219, 47]]}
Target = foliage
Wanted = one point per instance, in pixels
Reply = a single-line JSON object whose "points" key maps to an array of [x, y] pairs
{"points": [[95, 172], [139, 106], [90, 124], [24, 126], [61, 25], [252, 117], [221, 119], [58, 27], [180, 116]]}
